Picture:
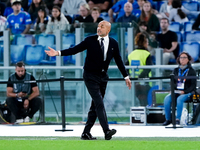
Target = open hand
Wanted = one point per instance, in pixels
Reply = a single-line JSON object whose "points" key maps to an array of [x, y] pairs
{"points": [[51, 52]]}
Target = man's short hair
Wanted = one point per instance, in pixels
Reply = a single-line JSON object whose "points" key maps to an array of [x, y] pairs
{"points": [[20, 64], [165, 19]]}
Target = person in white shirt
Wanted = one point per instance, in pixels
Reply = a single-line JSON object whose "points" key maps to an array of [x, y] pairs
{"points": [[177, 13], [57, 21]]}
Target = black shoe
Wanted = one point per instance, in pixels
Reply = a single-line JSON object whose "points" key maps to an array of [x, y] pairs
{"points": [[87, 136], [167, 122], [109, 134], [177, 122]]}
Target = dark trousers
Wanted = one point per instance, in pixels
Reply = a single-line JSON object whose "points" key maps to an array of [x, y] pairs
{"points": [[17, 108], [96, 85]]}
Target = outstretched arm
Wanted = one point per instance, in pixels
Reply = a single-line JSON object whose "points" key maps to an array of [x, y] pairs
{"points": [[52, 52]]}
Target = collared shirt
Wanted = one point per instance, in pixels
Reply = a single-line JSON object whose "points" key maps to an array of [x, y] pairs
{"points": [[106, 43]]}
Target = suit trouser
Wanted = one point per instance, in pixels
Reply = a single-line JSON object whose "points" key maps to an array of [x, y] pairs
{"points": [[96, 85], [18, 110]]}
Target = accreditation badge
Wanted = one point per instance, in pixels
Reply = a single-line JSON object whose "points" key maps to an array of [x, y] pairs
{"points": [[180, 85]]}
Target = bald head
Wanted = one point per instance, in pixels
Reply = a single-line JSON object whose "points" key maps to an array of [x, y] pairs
{"points": [[103, 28], [128, 7]]}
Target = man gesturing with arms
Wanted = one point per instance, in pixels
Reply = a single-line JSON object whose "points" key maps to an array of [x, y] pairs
{"points": [[100, 50]]}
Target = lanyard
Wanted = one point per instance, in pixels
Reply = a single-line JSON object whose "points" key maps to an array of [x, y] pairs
{"points": [[181, 75]]}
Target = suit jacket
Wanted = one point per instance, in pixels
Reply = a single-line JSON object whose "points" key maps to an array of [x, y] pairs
{"points": [[94, 59]]}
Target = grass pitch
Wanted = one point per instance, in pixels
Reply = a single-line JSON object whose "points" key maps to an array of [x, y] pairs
{"points": [[74, 143]]}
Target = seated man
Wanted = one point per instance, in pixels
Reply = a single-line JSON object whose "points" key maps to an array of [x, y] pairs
{"points": [[22, 98]]}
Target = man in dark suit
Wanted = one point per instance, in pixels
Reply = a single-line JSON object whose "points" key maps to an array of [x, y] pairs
{"points": [[100, 50]]}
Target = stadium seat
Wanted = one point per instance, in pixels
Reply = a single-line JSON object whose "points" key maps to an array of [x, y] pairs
{"points": [[137, 12], [192, 48], [187, 26], [1, 55], [175, 26], [34, 54], [191, 5], [16, 53], [24, 39], [69, 39], [68, 59], [192, 36], [45, 40], [179, 35], [159, 3], [114, 36]]}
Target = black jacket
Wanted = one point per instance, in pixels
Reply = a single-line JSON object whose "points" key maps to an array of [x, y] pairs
{"points": [[190, 84], [94, 59]]}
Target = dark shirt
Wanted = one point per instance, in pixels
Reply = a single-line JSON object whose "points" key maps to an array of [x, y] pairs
{"points": [[86, 19], [165, 41], [125, 19], [190, 84], [99, 20], [32, 79]]}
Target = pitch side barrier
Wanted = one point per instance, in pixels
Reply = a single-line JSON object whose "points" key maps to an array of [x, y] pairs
{"points": [[62, 80]]}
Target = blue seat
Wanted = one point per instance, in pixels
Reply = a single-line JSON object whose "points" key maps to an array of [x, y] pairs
{"points": [[154, 5], [175, 26], [191, 5], [34, 54], [24, 39], [179, 35], [159, 3], [136, 12], [192, 36], [187, 26], [1, 55], [68, 59], [192, 48], [45, 40], [16, 53], [68, 38]]}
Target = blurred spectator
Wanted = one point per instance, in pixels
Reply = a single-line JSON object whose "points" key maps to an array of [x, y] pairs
{"points": [[96, 15], [84, 14], [34, 7], [51, 3], [196, 24], [143, 28], [70, 7], [118, 8], [148, 16], [142, 55], [41, 21], [2, 23], [3, 7], [165, 9], [57, 21], [168, 41], [9, 9], [19, 21], [177, 13], [26, 4], [103, 5], [58, 2], [127, 17]]}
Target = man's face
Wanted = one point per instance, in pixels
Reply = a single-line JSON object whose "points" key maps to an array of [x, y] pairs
{"points": [[16, 7], [20, 71], [128, 8], [164, 24], [103, 28], [140, 3]]}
